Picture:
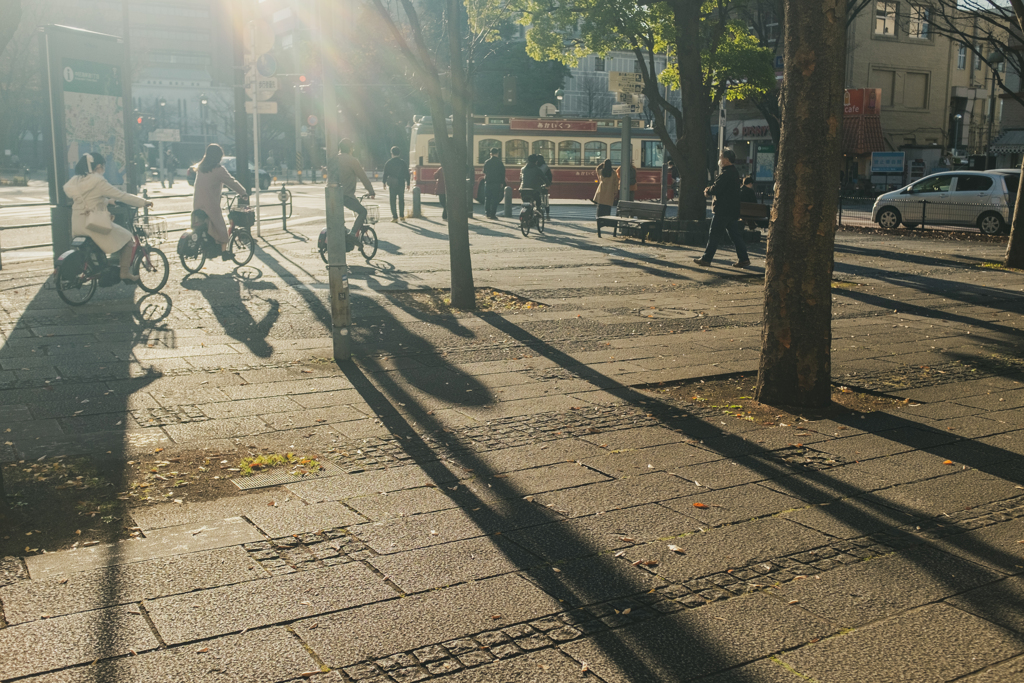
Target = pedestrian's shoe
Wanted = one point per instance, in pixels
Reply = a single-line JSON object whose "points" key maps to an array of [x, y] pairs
{"points": [[350, 243], [741, 264], [701, 262], [395, 219]]}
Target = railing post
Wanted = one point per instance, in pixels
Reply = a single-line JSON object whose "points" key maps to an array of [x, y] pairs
{"points": [[283, 196], [337, 269], [508, 201], [924, 207], [416, 209]]}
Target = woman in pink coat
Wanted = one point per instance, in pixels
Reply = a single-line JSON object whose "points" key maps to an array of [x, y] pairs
{"points": [[211, 178]]}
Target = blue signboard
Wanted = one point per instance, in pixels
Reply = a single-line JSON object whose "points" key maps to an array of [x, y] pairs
{"points": [[887, 162]]}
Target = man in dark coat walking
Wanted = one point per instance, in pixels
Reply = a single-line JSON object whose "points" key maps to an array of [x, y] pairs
{"points": [[726, 212], [494, 182], [396, 179]]}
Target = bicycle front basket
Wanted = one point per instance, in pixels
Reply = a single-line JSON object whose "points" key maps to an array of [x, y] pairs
{"points": [[154, 228], [372, 214], [243, 217]]}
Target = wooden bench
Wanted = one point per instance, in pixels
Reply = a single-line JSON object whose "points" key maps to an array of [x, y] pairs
{"points": [[634, 219], [755, 215]]}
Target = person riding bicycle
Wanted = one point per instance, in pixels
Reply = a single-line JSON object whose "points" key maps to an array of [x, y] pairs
{"points": [[343, 171], [211, 178], [549, 178], [91, 193], [532, 179]]}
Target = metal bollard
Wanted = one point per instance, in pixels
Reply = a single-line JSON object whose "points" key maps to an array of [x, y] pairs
{"points": [[508, 201], [282, 196], [416, 212]]}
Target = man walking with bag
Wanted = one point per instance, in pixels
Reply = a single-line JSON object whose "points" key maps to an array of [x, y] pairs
{"points": [[396, 179], [494, 182], [726, 210]]}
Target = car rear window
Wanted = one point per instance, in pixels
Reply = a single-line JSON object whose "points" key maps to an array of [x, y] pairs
{"points": [[973, 183]]}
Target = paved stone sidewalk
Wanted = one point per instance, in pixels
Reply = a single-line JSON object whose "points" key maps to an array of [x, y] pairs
{"points": [[518, 500]]}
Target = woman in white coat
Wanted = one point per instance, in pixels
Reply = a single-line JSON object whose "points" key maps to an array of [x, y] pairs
{"points": [[91, 192]]}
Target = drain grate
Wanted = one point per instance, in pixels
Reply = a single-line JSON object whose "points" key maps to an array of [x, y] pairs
{"points": [[284, 476]]}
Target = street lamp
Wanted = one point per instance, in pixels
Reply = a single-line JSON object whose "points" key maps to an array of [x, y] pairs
{"points": [[203, 101], [163, 106], [956, 141], [559, 96]]}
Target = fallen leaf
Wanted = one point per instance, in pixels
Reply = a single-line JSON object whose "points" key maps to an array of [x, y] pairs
{"points": [[627, 539], [793, 602], [585, 668], [947, 462], [677, 549], [495, 616], [702, 506], [623, 552], [202, 650], [627, 610]]}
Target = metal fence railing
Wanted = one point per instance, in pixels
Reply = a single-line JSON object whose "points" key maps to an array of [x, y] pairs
{"points": [[148, 217]]}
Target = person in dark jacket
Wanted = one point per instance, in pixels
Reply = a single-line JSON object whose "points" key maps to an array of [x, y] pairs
{"points": [[532, 180], [747, 193], [396, 179], [494, 182], [726, 210], [441, 190], [549, 177]]}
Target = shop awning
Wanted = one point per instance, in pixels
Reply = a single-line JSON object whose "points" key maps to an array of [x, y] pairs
{"points": [[862, 135], [1009, 142]]}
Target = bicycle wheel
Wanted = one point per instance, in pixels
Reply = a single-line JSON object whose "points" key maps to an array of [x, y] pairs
{"points": [[75, 288], [368, 242], [524, 224], [539, 222], [153, 269], [193, 264], [242, 246]]}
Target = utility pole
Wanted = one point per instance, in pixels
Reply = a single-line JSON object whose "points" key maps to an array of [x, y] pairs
{"points": [[625, 158], [256, 126], [337, 262]]}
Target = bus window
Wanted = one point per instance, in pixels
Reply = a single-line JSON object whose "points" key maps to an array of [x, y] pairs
{"points": [[484, 147], [516, 152], [616, 153], [432, 152], [594, 153], [569, 153], [652, 154], [546, 149]]}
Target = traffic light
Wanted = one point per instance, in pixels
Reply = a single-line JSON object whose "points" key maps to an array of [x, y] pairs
{"points": [[302, 79]]}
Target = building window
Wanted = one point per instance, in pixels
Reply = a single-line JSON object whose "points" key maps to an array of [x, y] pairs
{"points": [[885, 18], [961, 57], [918, 26], [598, 63]]}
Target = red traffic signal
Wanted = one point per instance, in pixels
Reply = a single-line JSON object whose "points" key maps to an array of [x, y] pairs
{"points": [[302, 79], [139, 120]]}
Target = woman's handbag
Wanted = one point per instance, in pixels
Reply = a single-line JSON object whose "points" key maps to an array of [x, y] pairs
{"points": [[99, 221]]}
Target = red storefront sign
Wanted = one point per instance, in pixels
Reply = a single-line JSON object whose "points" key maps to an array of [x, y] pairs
{"points": [[551, 124], [863, 102]]}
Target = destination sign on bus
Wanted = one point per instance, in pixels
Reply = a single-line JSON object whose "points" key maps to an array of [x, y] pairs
{"points": [[544, 124]]}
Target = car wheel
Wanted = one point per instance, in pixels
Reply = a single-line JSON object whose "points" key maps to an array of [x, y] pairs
{"points": [[991, 223], [888, 218]]}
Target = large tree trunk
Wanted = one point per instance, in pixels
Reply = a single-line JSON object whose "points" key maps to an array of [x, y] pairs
{"points": [[695, 135], [796, 339], [1015, 249]]}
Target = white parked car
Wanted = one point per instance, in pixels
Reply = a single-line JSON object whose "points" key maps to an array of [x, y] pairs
{"points": [[983, 199]]}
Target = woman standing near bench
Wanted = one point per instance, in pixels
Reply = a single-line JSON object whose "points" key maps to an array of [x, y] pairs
{"points": [[607, 188]]}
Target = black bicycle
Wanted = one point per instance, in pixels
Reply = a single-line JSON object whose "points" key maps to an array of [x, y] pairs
{"points": [[197, 245], [84, 267], [366, 238], [531, 217]]}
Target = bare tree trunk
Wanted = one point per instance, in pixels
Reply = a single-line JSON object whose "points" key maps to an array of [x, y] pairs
{"points": [[1015, 248], [796, 365], [695, 135]]}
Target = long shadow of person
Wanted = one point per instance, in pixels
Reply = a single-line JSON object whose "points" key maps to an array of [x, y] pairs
{"points": [[230, 297]]}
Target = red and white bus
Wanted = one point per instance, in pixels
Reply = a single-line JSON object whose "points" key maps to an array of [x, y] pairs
{"points": [[572, 147]]}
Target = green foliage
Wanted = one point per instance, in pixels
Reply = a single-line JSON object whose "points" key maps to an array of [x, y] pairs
{"points": [[730, 55]]}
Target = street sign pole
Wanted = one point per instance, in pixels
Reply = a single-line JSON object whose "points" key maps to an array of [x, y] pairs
{"points": [[256, 129]]}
